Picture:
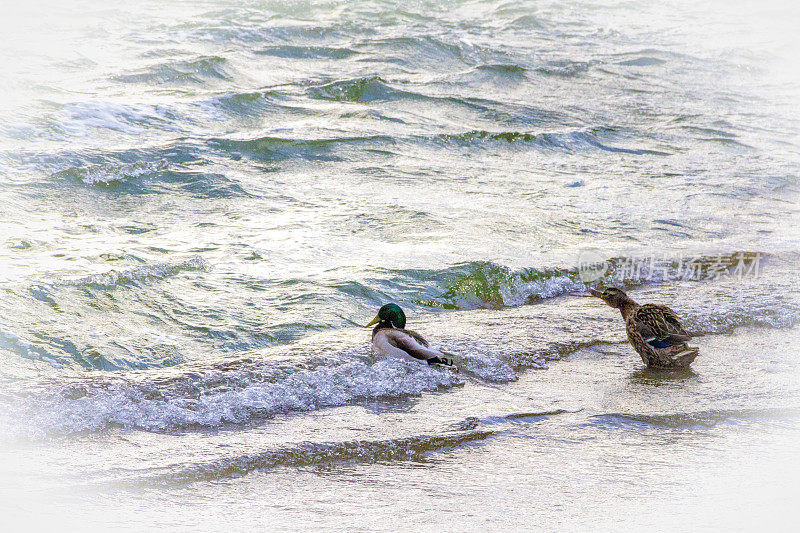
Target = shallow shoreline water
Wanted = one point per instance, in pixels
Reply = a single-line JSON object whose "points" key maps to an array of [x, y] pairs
{"points": [[593, 441]]}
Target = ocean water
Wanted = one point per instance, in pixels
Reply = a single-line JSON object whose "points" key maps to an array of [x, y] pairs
{"points": [[202, 202]]}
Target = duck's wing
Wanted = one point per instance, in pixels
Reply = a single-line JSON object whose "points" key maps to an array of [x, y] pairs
{"points": [[416, 336], [400, 342], [659, 326]]}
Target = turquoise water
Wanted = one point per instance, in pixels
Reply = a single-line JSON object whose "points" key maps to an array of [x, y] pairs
{"points": [[202, 201]]}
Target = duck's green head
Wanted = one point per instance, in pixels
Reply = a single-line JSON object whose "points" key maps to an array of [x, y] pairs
{"points": [[391, 315]]}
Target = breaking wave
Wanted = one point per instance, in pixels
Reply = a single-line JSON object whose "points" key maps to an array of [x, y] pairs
{"points": [[213, 396], [492, 286]]}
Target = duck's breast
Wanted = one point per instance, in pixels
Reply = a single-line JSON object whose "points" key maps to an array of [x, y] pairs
{"points": [[644, 350]]}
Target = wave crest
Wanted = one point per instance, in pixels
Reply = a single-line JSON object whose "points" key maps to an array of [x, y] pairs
{"points": [[190, 71], [311, 453], [142, 274]]}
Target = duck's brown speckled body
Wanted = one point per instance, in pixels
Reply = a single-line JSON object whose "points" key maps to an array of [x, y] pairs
{"points": [[654, 331]]}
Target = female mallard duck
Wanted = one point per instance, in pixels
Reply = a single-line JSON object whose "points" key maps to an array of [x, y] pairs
{"points": [[389, 338], [655, 331]]}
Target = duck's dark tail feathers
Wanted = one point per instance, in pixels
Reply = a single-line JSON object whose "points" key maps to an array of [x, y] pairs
{"points": [[686, 357]]}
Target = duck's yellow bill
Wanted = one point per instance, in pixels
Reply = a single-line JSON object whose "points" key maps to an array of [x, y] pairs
{"points": [[374, 321]]}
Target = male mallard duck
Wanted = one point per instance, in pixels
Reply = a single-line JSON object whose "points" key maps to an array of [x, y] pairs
{"points": [[655, 331], [389, 338]]}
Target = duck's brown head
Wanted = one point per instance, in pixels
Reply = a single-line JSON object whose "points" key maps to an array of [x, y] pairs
{"points": [[612, 296]]}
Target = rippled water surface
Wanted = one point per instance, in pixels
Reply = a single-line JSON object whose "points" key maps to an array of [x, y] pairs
{"points": [[201, 202]]}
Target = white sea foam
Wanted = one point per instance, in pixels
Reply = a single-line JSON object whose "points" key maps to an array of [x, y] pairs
{"points": [[518, 292], [104, 174], [71, 409], [489, 367]]}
